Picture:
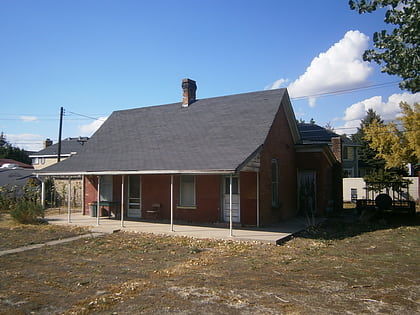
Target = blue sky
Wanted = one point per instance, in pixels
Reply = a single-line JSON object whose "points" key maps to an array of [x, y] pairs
{"points": [[93, 57]]}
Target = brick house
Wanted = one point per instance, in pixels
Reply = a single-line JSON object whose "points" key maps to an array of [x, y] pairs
{"points": [[236, 158]]}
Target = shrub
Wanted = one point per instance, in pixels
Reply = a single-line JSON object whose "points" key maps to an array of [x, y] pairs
{"points": [[26, 212]]}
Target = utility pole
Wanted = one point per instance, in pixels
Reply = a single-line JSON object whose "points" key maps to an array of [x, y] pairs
{"points": [[59, 134]]}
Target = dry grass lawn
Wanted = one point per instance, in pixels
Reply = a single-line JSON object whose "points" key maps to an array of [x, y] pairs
{"points": [[335, 268]]}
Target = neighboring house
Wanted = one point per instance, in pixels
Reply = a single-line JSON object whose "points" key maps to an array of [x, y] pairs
{"points": [[49, 156], [10, 164], [312, 133], [200, 160]]}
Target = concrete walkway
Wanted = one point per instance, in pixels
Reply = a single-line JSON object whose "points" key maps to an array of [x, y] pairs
{"points": [[275, 234], [49, 243]]}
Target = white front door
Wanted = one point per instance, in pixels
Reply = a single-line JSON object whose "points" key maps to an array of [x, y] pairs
{"points": [[235, 200], [134, 196]]}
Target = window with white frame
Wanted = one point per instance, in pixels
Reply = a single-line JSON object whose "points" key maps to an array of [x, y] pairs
{"points": [[187, 191]]}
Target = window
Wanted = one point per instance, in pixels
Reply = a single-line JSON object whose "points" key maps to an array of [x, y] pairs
{"points": [[35, 161], [42, 160], [275, 183], [187, 191], [348, 153], [106, 188]]}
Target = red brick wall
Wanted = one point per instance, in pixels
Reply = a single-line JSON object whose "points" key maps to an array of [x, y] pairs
{"points": [[208, 200], [156, 189], [91, 194], [279, 144], [248, 195], [328, 181], [314, 161]]}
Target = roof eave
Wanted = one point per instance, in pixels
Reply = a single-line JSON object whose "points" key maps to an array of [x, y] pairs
{"points": [[144, 172]]}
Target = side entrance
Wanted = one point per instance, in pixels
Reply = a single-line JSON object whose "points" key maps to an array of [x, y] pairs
{"points": [[236, 218]]}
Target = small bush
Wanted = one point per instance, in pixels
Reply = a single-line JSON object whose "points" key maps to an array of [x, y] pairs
{"points": [[26, 212]]}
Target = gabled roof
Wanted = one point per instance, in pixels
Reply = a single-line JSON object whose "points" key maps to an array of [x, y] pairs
{"points": [[312, 133], [210, 135], [68, 146]]}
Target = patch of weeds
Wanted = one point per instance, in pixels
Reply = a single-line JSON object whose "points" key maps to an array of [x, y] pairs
{"points": [[27, 212], [194, 250]]}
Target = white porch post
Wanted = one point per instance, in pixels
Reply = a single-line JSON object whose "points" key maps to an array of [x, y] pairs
{"points": [[83, 195], [230, 206], [122, 200], [69, 202], [172, 203], [258, 199], [98, 202], [42, 193]]}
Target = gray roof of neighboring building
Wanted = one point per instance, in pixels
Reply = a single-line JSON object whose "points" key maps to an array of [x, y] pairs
{"points": [[15, 177], [318, 134], [213, 134], [68, 146]]}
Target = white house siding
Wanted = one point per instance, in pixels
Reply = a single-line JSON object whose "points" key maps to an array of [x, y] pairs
{"points": [[359, 185]]}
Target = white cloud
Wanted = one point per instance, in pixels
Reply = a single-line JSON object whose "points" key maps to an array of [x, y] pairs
{"points": [[89, 129], [27, 141], [388, 110], [340, 67], [277, 84], [28, 118]]}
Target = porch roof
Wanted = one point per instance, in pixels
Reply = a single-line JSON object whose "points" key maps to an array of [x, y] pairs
{"points": [[213, 135]]}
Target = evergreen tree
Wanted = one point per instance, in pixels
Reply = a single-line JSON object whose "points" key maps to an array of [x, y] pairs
{"points": [[7, 151]]}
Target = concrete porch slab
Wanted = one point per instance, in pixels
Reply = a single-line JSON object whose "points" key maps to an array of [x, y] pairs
{"points": [[275, 234]]}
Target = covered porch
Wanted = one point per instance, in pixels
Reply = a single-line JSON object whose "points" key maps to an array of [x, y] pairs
{"points": [[226, 198]]}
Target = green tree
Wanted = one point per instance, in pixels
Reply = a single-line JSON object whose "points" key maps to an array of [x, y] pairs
{"points": [[366, 154], [7, 151], [398, 50], [397, 143]]}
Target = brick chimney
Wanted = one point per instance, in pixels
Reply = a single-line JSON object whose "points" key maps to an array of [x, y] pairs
{"points": [[337, 148], [189, 87], [48, 142]]}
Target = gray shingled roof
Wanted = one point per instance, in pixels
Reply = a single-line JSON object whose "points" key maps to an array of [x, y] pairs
{"points": [[68, 146], [214, 134], [317, 134]]}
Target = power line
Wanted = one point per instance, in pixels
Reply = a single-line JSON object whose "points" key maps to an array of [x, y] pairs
{"points": [[344, 91], [81, 115]]}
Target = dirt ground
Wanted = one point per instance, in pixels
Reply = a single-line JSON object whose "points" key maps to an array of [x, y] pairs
{"points": [[339, 267]]}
